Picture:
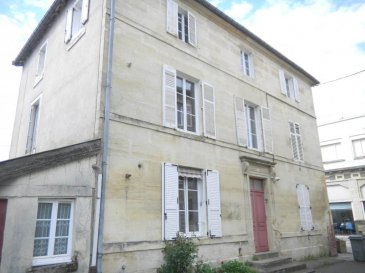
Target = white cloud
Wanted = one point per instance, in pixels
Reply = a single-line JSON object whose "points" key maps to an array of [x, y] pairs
{"points": [[215, 2], [239, 11], [42, 4]]}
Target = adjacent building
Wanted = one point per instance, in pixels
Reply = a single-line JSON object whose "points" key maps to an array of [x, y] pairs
{"points": [[343, 154], [152, 119]]}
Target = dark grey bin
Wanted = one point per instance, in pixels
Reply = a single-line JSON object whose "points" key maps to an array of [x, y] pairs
{"points": [[358, 247]]}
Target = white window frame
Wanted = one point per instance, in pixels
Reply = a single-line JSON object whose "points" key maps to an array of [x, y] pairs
{"points": [[33, 126], [247, 63], [50, 258], [362, 144], [196, 103], [295, 138], [72, 35], [258, 126], [42, 53], [289, 85], [337, 146]]}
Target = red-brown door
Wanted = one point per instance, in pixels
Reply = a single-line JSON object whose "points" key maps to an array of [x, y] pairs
{"points": [[259, 215], [3, 204]]}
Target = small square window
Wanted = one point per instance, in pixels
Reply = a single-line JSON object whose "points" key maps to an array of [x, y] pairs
{"points": [[359, 148]]}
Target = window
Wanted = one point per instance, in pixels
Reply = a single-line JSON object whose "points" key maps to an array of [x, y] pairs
{"points": [[52, 239], [253, 124], [359, 148], [289, 86], [33, 127], [247, 64], [305, 209], [296, 141], [331, 152], [186, 104], [41, 62], [77, 16], [180, 103], [181, 23], [191, 202]]}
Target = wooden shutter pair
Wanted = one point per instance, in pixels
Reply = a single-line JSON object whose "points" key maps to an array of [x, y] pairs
{"points": [[283, 85], [84, 18], [172, 10], [241, 125], [169, 103], [296, 141], [171, 202], [305, 209]]}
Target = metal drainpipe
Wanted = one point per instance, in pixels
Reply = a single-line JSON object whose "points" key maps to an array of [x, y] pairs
{"points": [[105, 139]]}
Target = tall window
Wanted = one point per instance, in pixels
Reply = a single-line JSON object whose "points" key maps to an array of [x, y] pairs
{"points": [[252, 118], [189, 205], [247, 63], [359, 148], [296, 141], [289, 86], [77, 16], [52, 239], [186, 104], [181, 23], [33, 127], [41, 61], [305, 209]]}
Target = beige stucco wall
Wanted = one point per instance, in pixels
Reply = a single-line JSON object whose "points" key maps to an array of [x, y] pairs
{"points": [[73, 181], [69, 87]]}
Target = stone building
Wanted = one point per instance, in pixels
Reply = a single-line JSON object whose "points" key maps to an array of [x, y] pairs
{"points": [[210, 133], [343, 153]]}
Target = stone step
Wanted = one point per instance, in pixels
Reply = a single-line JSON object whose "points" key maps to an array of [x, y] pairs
{"points": [[305, 271], [265, 255], [271, 262], [286, 268]]}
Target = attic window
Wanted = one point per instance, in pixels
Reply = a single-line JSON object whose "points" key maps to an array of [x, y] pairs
{"points": [[77, 16]]}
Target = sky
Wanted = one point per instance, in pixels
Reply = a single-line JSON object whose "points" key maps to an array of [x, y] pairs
{"points": [[324, 37]]}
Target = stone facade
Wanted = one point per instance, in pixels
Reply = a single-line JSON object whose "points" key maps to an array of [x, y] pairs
{"points": [[277, 151]]}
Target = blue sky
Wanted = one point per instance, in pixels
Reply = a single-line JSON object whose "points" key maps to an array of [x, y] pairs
{"points": [[325, 37]]}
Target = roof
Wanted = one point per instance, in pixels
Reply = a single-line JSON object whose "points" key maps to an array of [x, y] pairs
{"points": [[58, 5]]}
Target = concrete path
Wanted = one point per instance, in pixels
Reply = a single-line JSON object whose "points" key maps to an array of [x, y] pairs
{"points": [[343, 263]]}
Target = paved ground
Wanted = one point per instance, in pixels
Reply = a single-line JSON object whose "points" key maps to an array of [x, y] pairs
{"points": [[343, 263]]}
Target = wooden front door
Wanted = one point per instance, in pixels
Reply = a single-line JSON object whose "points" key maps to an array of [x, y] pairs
{"points": [[3, 204], [259, 215]]}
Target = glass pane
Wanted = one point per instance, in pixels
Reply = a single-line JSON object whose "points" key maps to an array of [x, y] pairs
{"points": [[40, 247], [60, 246], [193, 221], [62, 227], [42, 228], [182, 221], [179, 25], [190, 105], [181, 182], [64, 211], [190, 89], [44, 211], [191, 123], [193, 200], [186, 27], [181, 200], [254, 141], [179, 84], [192, 183]]}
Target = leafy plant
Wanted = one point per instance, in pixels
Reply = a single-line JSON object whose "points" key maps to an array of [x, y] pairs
{"points": [[235, 267]]}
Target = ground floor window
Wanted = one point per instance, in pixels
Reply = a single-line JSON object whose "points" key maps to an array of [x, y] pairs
{"points": [[52, 239], [343, 219]]}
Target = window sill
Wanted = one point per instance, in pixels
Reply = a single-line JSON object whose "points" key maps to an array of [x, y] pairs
{"points": [[55, 268], [76, 38], [333, 161], [37, 80]]}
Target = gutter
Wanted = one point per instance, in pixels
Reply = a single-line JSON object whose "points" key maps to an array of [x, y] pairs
{"points": [[105, 138]]}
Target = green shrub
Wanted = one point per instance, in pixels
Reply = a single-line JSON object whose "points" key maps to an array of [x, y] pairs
{"points": [[203, 268], [235, 267], [179, 256]]}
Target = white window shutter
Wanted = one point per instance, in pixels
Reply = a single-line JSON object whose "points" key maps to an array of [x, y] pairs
{"points": [[172, 10], [296, 90], [68, 29], [293, 140], [267, 130], [304, 207], [192, 29], [299, 142], [208, 110], [214, 204], [85, 11], [241, 126], [31, 125], [171, 202], [169, 97], [282, 82]]}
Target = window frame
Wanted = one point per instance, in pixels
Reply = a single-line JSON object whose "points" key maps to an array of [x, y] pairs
{"points": [[247, 66], [305, 208], [338, 152], [289, 86], [42, 54], [51, 258], [258, 126], [33, 126], [71, 35], [362, 144], [300, 148]]}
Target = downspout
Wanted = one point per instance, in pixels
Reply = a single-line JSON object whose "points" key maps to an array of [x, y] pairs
{"points": [[105, 139]]}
